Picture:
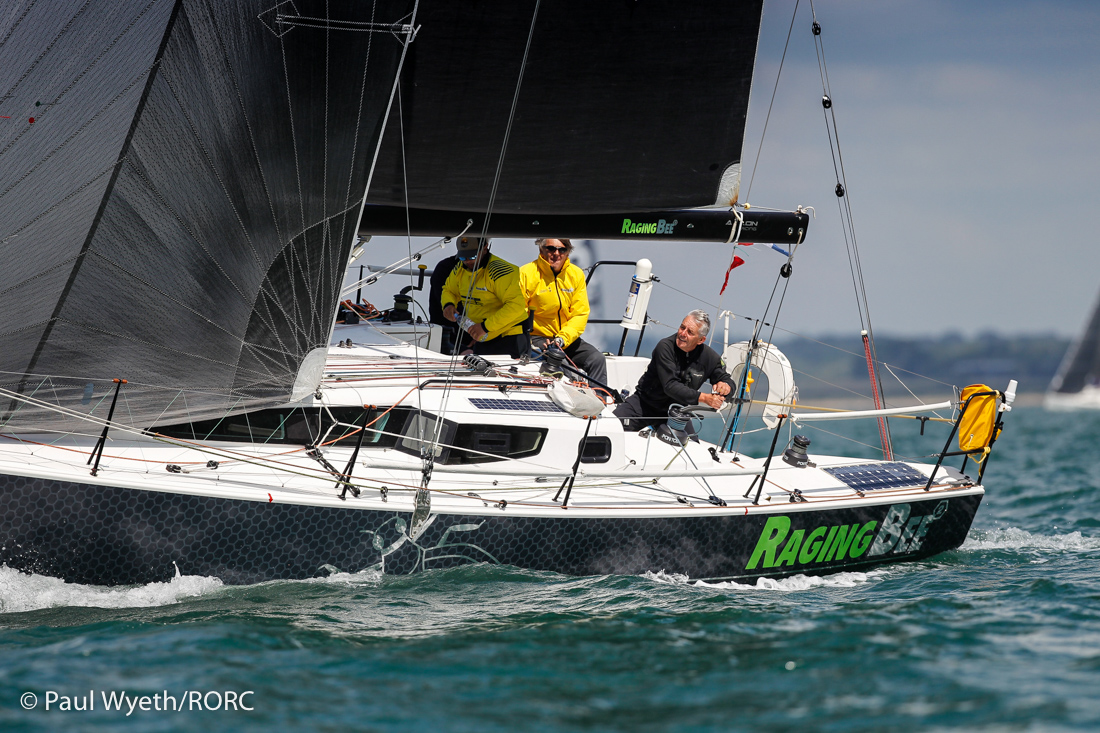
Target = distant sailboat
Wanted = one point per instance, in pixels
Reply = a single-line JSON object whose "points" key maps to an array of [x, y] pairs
{"points": [[1076, 386]]}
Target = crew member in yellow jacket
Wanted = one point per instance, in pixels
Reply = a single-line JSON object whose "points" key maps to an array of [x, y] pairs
{"points": [[482, 295], [555, 291]]}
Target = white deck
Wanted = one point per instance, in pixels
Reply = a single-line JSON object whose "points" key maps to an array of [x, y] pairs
{"points": [[387, 372]]}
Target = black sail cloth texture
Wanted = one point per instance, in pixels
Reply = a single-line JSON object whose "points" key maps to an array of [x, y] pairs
{"points": [[673, 376], [623, 106], [180, 184]]}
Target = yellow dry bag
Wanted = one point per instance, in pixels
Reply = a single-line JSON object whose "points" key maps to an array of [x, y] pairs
{"points": [[977, 424]]}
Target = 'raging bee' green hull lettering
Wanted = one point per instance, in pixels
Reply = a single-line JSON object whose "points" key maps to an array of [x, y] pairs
{"points": [[823, 544]]}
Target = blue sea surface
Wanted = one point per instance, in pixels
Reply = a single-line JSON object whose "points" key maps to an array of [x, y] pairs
{"points": [[1002, 634]]}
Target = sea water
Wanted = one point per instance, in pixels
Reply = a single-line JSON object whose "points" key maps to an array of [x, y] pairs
{"points": [[1002, 634]]}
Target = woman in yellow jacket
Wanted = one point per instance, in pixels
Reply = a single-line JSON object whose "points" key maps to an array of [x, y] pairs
{"points": [[493, 308], [555, 291]]}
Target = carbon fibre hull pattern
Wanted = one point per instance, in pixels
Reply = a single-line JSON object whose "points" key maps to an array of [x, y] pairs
{"points": [[106, 535]]}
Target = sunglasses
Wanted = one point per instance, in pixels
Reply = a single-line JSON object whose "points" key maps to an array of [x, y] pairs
{"points": [[555, 250]]}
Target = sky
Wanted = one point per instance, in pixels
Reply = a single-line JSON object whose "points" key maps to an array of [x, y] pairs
{"points": [[971, 146]]}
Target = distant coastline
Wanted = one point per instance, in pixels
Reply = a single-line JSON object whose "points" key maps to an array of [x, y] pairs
{"points": [[830, 370], [834, 366]]}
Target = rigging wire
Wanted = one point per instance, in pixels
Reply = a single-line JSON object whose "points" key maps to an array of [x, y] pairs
{"points": [[848, 221], [783, 275], [408, 236], [748, 191], [735, 238], [376, 275], [511, 119], [352, 161], [843, 197], [488, 214], [786, 271], [359, 112]]}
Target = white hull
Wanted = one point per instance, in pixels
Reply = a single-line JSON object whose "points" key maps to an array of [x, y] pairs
{"points": [[1087, 399]]}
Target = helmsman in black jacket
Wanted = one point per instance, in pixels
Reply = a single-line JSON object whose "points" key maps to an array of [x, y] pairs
{"points": [[679, 366]]}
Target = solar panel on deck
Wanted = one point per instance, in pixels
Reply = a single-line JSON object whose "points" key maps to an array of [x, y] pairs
{"points": [[871, 476], [490, 403]]}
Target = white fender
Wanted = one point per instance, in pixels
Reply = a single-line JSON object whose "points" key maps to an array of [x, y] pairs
{"points": [[776, 367]]}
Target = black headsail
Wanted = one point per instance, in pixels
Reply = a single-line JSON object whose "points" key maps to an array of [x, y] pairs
{"points": [[180, 182], [630, 115]]}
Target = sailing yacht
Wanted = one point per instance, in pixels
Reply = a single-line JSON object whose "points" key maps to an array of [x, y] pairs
{"points": [[183, 183], [1076, 385]]}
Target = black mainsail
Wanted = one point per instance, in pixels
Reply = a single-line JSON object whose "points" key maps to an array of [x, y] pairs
{"points": [[627, 112], [180, 182]]}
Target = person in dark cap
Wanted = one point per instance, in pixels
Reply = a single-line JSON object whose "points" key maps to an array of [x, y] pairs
{"points": [[492, 305]]}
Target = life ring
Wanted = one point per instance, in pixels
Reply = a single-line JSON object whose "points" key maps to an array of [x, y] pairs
{"points": [[775, 366]]}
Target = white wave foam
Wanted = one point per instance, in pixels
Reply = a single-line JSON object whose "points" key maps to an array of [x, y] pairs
{"points": [[372, 575], [669, 578], [801, 582], [21, 592], [793, 583], [1014, 538]]}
